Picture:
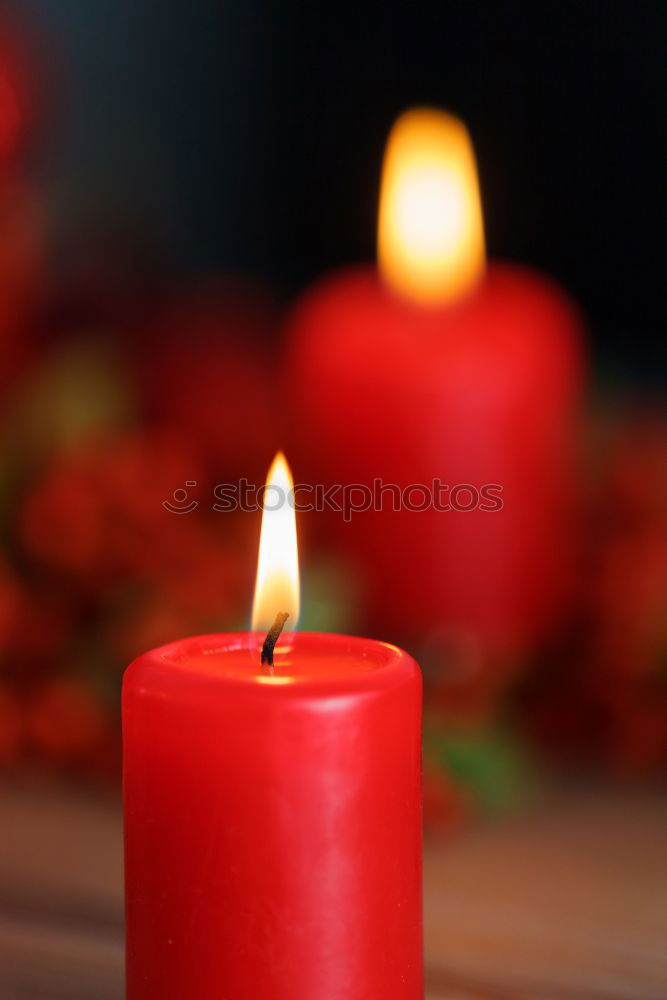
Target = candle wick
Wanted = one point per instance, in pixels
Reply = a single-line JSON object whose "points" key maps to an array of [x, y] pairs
{"points": [[272, 637]]}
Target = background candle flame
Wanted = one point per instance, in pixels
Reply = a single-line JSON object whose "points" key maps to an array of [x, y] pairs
{"points": [[277, 585], [430, 227]]}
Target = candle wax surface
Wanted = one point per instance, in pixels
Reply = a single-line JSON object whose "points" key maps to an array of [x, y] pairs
{"points": [[307, 663]]}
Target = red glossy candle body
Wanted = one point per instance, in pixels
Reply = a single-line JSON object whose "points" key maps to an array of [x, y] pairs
{"points": [[273, 821], [481, 393]]}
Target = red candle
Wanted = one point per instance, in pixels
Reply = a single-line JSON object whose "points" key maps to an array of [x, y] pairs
{"points": [[444, 373], [272, 813]]}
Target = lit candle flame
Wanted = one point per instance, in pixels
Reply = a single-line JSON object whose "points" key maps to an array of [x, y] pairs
{"points": [[277, 585], [430, 227]]}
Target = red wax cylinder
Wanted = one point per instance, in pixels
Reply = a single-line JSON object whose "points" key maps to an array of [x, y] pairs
{"points": [[480, 393], [273, 821]]}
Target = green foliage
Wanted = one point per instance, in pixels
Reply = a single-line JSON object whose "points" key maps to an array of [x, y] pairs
{"points": [[490, 764], [329, 598], [80, 391]]}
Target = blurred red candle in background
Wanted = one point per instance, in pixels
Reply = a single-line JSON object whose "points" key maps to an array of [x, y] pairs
{"points": [[272, 815], [444, 368]]}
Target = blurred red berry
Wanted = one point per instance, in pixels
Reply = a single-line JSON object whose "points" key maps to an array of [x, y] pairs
{"points": [[63, 521], [21, 270], [43, 625], [444, 803], [637, 728], [605, 694], [105, 763], [65, 722], [11, 605], [11, 727], [98, 513]]}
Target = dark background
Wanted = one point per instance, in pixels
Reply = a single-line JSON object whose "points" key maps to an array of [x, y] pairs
{"points": [[241, 136]]}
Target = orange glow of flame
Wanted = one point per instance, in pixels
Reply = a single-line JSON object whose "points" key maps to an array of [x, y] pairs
{"points": [[277, 585], [430, 227]]}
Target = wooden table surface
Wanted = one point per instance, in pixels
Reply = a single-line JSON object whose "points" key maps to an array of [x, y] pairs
{"points": [[567, 901]]}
